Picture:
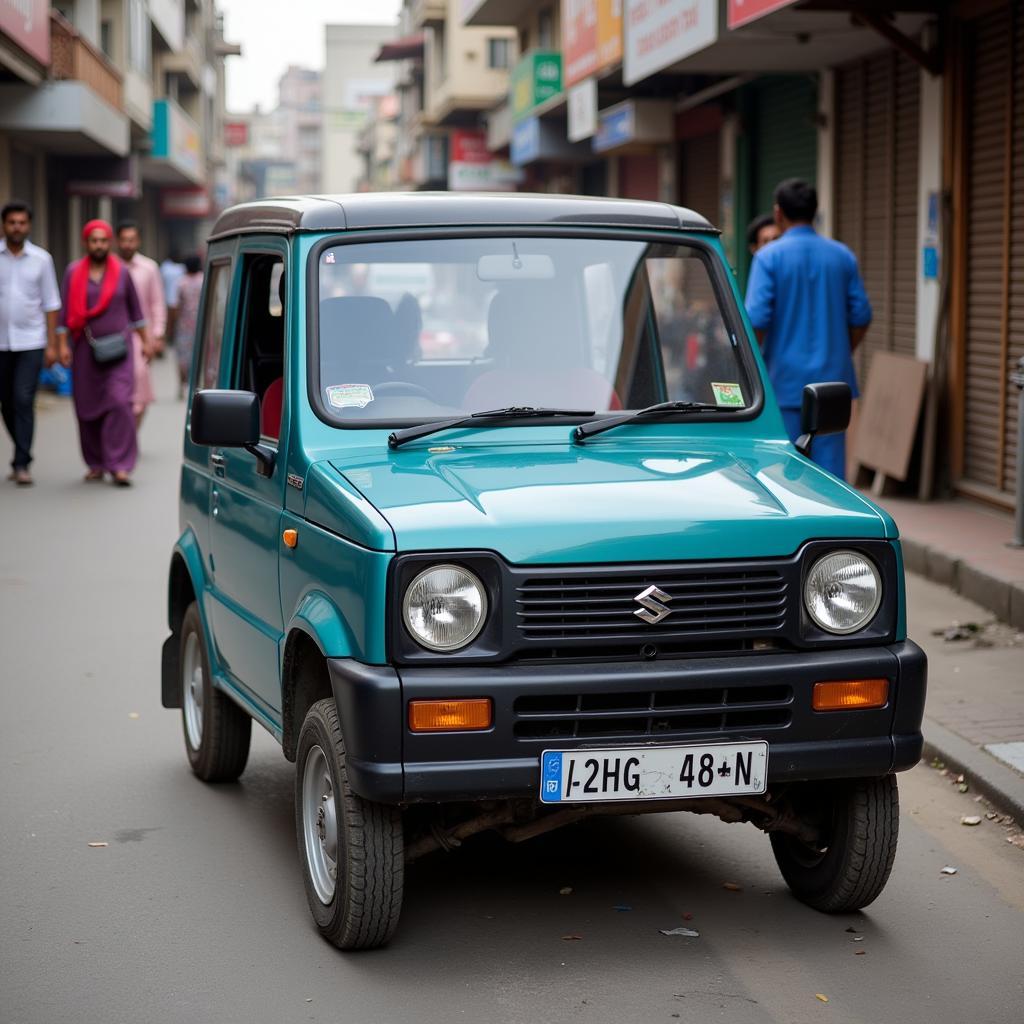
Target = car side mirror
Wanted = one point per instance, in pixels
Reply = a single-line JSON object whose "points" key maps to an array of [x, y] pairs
{"points": [[230, 419], [825, 409]]}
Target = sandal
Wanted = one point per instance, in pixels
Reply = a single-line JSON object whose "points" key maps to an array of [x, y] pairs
{"points": [[93, 475], [122, 480]]}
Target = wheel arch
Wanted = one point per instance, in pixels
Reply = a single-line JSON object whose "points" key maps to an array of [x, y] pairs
{"points": [[185, 584], [315, 633]]}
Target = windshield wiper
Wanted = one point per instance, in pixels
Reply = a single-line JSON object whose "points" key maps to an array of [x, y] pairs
{"points": [[585, 430], [512, 412]]}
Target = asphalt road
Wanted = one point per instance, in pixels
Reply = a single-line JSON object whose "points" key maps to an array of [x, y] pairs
{"points": [[195, 910]]}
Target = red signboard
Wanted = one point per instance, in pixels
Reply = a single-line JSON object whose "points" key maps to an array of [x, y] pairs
{"points": [[191, 203], [579, 40], [236, 133], [27, 23], [469, 147], [743, 11]]}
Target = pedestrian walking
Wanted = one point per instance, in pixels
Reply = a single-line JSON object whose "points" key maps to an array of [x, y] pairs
{"points": [[807, 303], [149, 286], [172, 270], [760, 231], [101, 309], [189, 290], [29, 304]]}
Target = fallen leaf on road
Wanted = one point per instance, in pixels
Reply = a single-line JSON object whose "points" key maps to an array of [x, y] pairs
{"points": [[133, 714], [732, 887], [963, 787], [822, 998], [991, 815], [571, 938], [852, 930], [947, 870], [1017, 840], [858, 938], [98, 846], [567, 891], [860, 952], [971, 819], [686, 932]]}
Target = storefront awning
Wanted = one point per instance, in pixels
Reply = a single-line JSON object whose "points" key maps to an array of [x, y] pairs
{"points": [[406, 48]]}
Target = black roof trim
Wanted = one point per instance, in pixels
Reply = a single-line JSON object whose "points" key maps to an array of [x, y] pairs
{"points": [[290, 214]]}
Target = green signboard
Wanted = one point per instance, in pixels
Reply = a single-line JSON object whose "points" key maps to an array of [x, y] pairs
{"points": [[536, 78]]}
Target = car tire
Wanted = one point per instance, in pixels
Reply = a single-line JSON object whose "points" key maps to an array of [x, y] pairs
{"points": [[351, 850], [860, 826], [217, 731]]}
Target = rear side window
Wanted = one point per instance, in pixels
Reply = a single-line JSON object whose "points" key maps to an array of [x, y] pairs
{"points": [[218, 286]]}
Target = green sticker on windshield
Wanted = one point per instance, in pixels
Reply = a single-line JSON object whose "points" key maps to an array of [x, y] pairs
{"points": [[728, 394]]}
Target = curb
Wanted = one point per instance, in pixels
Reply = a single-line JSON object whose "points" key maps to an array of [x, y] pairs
{"points": [[1003, 598], [1001, 785]]}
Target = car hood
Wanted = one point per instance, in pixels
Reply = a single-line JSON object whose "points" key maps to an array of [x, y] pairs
{"points": [[625, 502]]}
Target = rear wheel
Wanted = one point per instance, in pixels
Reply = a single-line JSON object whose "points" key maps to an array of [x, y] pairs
{"points": [[351, 849], [848, 868], [217, 731]]}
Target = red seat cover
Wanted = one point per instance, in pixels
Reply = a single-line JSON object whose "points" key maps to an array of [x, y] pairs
{"points": [[270, 409]]}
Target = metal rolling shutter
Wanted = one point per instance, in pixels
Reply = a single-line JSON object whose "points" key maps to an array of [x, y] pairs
{"points": [[1016, 308], [786, 140], [699, 160], [988, 445], [878, 102], [638, 176]]}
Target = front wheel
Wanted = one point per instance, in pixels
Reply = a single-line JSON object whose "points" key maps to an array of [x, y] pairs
{"points": [[351, 849], [848, 868], [217, 731]]}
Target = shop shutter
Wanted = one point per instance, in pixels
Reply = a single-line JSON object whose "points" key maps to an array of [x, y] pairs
{"points": [[699, 161], [785, 134], [638, 176], [994, 308], [877, 113]]}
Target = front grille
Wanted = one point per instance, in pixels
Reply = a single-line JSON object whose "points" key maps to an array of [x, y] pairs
{"points": [[703, 604], [656, 714]]}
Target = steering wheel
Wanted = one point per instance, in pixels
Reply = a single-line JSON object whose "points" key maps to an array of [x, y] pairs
{"points": [[401, 387]]}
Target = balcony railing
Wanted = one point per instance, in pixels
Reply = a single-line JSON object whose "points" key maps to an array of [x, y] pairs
{"points": [[75, 58]]}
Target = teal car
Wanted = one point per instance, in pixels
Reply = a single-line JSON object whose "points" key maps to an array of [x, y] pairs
{"points": [[488, 516]]}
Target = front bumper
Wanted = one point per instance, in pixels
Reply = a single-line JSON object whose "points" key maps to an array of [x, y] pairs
{"points": [[620, 705]]}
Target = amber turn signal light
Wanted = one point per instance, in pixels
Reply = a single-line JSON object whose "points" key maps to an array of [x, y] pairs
{"points": [[850, 695], [290, 538], [450, 715]]}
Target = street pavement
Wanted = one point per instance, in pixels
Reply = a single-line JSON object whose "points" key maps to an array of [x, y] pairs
{"points": [[195, 910]]}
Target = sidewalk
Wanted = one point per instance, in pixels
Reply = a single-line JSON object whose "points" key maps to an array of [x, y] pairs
{"points": [[961, 571]]}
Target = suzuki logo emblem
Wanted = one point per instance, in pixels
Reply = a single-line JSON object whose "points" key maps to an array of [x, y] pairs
{"points": [[654, 609]]}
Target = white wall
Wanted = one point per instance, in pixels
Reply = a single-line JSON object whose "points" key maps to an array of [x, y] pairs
{"points": [[826, 152], [349, 74]]}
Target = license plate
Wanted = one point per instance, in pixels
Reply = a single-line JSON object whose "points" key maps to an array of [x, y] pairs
{"points": [[653, 773]]}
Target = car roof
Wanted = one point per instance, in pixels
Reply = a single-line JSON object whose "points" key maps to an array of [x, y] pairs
{"points": [[290, 214]]}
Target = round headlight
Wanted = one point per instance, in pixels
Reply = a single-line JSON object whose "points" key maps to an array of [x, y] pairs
{"points": [[444, 607], [842, 592]]}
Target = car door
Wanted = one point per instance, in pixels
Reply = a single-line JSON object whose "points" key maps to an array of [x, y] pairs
{"points": [[245, 505]]}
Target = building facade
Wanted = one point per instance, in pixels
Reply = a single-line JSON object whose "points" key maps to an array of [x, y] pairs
{"points": [[113, 108]]}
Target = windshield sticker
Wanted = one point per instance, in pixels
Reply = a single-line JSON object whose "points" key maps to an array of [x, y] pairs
{"points": [[345, 396], [728, 394]]}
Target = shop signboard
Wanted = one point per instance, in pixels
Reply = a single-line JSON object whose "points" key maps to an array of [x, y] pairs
{"points": [[236, 133], [525, 145], [660, 34], [117, 177], [615, 127], [188, 203], [743, 11], [27, 23], [579, 39], [582, 110], [536, 78], [175, 139], [609, 33], [472, 167]]}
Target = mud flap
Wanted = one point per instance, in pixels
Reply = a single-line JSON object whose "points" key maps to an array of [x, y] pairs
{"points": [[170, 683]]}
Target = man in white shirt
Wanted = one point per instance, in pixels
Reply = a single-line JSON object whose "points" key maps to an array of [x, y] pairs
{"points": [[29, 303]]}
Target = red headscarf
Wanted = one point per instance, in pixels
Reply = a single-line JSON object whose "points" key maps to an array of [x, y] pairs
{"points": [[79, 312]]}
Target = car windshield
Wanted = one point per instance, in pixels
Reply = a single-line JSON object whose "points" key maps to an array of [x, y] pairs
{"points": [[411, 331]]}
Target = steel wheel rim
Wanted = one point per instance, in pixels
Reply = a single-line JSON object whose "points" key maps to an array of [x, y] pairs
{"points": [[192, 680], [320, 824]]}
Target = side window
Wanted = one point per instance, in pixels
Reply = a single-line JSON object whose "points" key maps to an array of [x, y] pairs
{"points": [[261, 323], [218, 285]]}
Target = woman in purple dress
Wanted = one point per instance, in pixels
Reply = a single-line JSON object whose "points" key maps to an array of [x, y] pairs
{"points": [[100, 301]]}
